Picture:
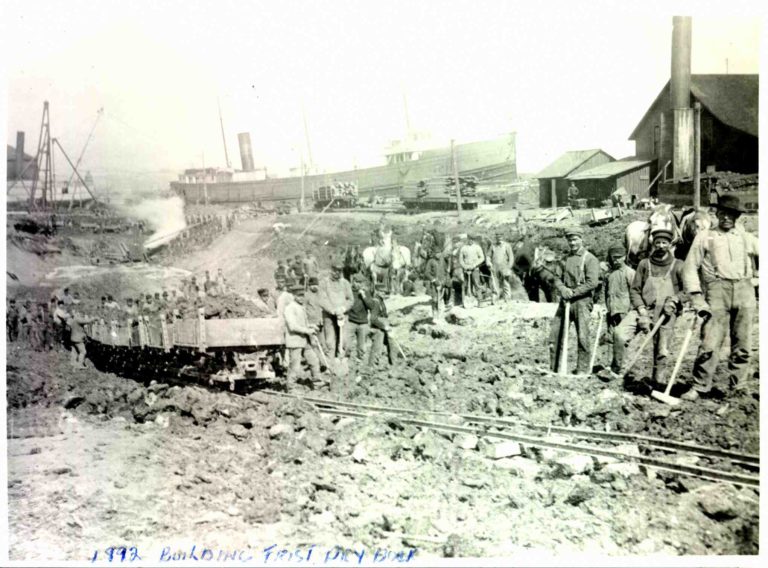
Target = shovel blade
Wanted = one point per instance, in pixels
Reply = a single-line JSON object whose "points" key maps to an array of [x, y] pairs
{"points": [[665, 398]]}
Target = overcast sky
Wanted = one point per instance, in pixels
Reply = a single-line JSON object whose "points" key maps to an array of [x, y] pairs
{"points": [[562, 75]]}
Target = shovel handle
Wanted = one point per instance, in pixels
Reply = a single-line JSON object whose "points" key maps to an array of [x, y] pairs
{"points": [[320, 348], [597, 341], [564, 342], [644, 344], [681, 356], [400, 349]]}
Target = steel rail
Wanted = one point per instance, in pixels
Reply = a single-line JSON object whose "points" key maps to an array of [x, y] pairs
{"points": [[647, 461], [647, 441]]}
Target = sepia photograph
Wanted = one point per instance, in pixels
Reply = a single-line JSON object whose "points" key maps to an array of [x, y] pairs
{"points": [[381, 283]]}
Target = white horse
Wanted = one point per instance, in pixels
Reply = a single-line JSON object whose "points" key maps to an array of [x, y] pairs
{"points": [[389, 265], [401, 264]]}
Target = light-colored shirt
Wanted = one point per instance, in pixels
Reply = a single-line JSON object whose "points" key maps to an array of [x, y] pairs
{"points": [[501, 255], [296, 327], [471, 256], [719, 255], [282, 301], [335, 295]]}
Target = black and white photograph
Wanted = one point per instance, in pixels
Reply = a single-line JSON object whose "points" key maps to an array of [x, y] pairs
{"points": [[365, 283]]}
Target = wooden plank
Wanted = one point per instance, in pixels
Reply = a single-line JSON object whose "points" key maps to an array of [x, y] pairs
{"points": [[245, 332]]}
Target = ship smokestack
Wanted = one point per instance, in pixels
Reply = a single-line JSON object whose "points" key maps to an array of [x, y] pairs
{"points": [[246, 153], [19, 154], [680, 98]]}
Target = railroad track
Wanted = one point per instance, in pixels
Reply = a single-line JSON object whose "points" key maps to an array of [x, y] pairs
{"points": [[501, 428]]}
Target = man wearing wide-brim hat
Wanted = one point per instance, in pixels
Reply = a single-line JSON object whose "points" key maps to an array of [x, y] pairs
{"points": [[718, 275]]}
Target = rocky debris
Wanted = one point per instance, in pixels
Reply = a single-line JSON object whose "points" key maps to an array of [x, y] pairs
{"points": [[459, 316], [280, 430], [520, 466], [503, 449], [466, 441], [719, 502], [570, 464]]}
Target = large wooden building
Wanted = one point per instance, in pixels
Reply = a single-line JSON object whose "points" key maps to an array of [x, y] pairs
{"points": [[553, 179], [729, 125], [598, 183]]}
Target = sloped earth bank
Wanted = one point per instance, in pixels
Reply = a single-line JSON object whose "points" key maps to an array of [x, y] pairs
{"points": [[96, 460]]}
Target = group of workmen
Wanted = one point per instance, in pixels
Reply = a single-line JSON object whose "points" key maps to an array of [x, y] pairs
{"points": [[325, 317], [717, 278], [200, 232], [44, 326]]}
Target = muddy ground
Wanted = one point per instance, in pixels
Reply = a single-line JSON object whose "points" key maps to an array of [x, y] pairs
{"points": [[97, 460]]}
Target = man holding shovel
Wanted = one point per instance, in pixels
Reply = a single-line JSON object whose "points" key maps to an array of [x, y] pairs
{"points": [[471, 256], [435, 279], [581, 276], [719, 276], [335, 298], [380, 328], [298, 335], [656, 292], [501, 259]]}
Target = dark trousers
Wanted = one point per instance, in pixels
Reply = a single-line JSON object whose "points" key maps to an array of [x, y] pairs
{"points": [[580, 314], [733, 306], [379, 338]]}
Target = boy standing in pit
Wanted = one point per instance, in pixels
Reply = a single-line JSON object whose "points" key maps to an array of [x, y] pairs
{"points": [[617, 302], [656, 292]]}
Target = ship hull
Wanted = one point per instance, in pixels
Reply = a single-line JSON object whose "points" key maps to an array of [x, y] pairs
{"points": [[491, 161]]}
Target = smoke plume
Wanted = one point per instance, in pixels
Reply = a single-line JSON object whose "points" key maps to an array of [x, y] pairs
{"points": [[165, 216]]}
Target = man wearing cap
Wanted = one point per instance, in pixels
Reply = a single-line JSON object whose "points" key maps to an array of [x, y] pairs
{"points": [[312, 304], [281, 273], [380, 328], [297, 336], [501, 259], [656, 292], [471, 256], [435, 279], [581, 276], [357, 323], [336, 298], [283, 296], [265, 304], [311, 269], [77, 337], [718, 275], [617, 302]]}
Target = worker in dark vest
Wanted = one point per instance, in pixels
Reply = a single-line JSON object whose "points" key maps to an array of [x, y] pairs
{"points": [[581, 276], [719, 274], [380, 328], [357, 317]]}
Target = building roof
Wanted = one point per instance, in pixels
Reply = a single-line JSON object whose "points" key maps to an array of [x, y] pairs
{"points": [[611, 169], [732, 99], [568, 162]]}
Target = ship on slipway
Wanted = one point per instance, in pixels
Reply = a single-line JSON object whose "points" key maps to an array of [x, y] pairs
{"points": [[492, 162]]}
